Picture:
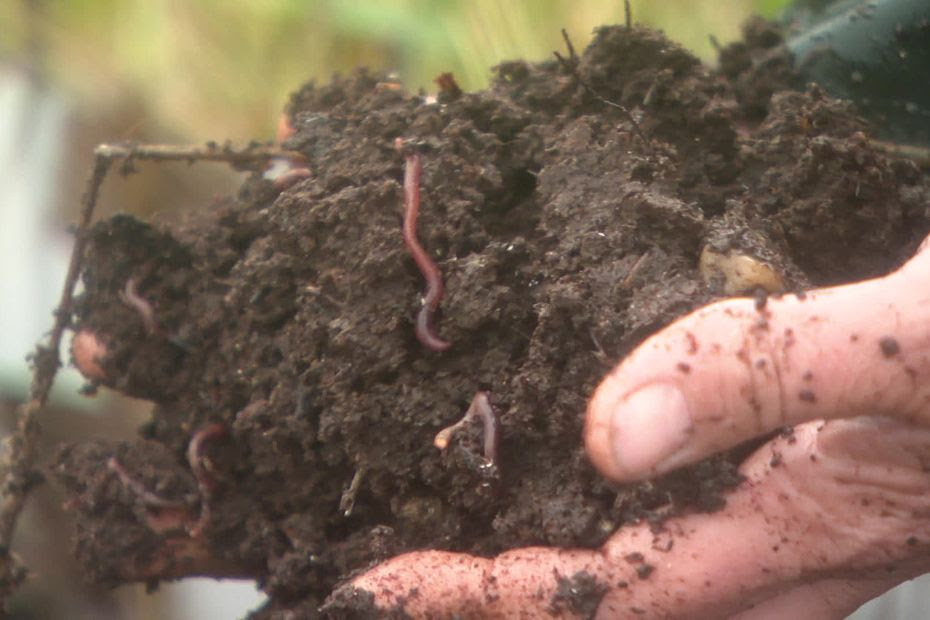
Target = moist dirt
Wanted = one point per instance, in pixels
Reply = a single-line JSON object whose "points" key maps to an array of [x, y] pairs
{"points": [[565, 235]]}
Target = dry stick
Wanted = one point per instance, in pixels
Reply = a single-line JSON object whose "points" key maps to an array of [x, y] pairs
{"points": [[210, 151], [628, 14], [571, 65], [920, 155], [347, 501], [17, 469]]}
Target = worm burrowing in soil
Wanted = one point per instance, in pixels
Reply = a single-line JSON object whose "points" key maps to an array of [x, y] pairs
{"points": [[433, 295], [202, 469], [131, 297], [480, 407]]}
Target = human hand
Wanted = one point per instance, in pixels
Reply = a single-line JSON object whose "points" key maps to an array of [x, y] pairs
{"points": [[831, 514]]}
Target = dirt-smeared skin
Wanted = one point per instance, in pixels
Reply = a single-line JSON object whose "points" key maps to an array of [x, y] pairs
{"points": [[563, 241]]}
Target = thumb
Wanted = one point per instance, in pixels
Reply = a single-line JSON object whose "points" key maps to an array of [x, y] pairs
{"points": [[737, 369]]}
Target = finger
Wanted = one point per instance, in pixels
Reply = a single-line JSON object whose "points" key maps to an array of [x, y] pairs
{"points": [[737, 369], [873, 473], [825, 599], [843, 500]]}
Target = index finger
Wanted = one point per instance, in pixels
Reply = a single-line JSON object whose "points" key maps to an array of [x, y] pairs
{"points": [[739, 368]]}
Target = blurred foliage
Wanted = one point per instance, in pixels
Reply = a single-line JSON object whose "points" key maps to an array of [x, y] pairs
{"points": [[224, 68]]}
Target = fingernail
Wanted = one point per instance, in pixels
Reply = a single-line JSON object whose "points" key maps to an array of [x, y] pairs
{"points": [[649, 429]]}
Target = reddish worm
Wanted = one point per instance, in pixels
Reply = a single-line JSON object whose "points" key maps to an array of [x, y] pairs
{"points": [[138, 303], [202, 470], [148, 498], [425, 331], [481, 408]]}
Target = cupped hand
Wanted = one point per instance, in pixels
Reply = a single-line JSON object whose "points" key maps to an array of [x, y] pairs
{"points": [[831, 514]]}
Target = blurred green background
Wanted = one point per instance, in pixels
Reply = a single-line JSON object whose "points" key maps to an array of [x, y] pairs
{"points": [[223, 68]]}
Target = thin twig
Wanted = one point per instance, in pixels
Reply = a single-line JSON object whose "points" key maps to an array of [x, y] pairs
{"points": [[18, 474], [628, 280], [572, 56], [571, 65], [211, 151], [17, 470], [347, 501], [628, 14], [920, 155]]}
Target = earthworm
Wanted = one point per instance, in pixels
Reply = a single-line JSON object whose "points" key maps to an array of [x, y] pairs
{"points": [[200, 467], [424, 327], [148, 498], [480, 407], [158, 514], [131, 298]]}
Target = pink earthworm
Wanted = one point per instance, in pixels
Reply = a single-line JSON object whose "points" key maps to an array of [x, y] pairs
{"points": [[131, 298], [424, 326], [200, 467], [480, 407], [159, 514], [137, 488]]}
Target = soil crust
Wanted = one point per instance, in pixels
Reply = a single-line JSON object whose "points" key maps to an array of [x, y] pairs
{"points": [[565, 235]]}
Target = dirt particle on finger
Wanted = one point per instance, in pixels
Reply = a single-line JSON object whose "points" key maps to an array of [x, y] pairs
{"points": [[807, 396], [692, 343], [579, 594], [889, 346], [643, 571], [683, 367]]}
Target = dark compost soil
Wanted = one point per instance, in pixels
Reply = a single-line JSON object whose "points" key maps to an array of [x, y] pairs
{"points": [[564, 239]]}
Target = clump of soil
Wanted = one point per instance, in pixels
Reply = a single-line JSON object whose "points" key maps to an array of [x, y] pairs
{"points": [[564, 239]]}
